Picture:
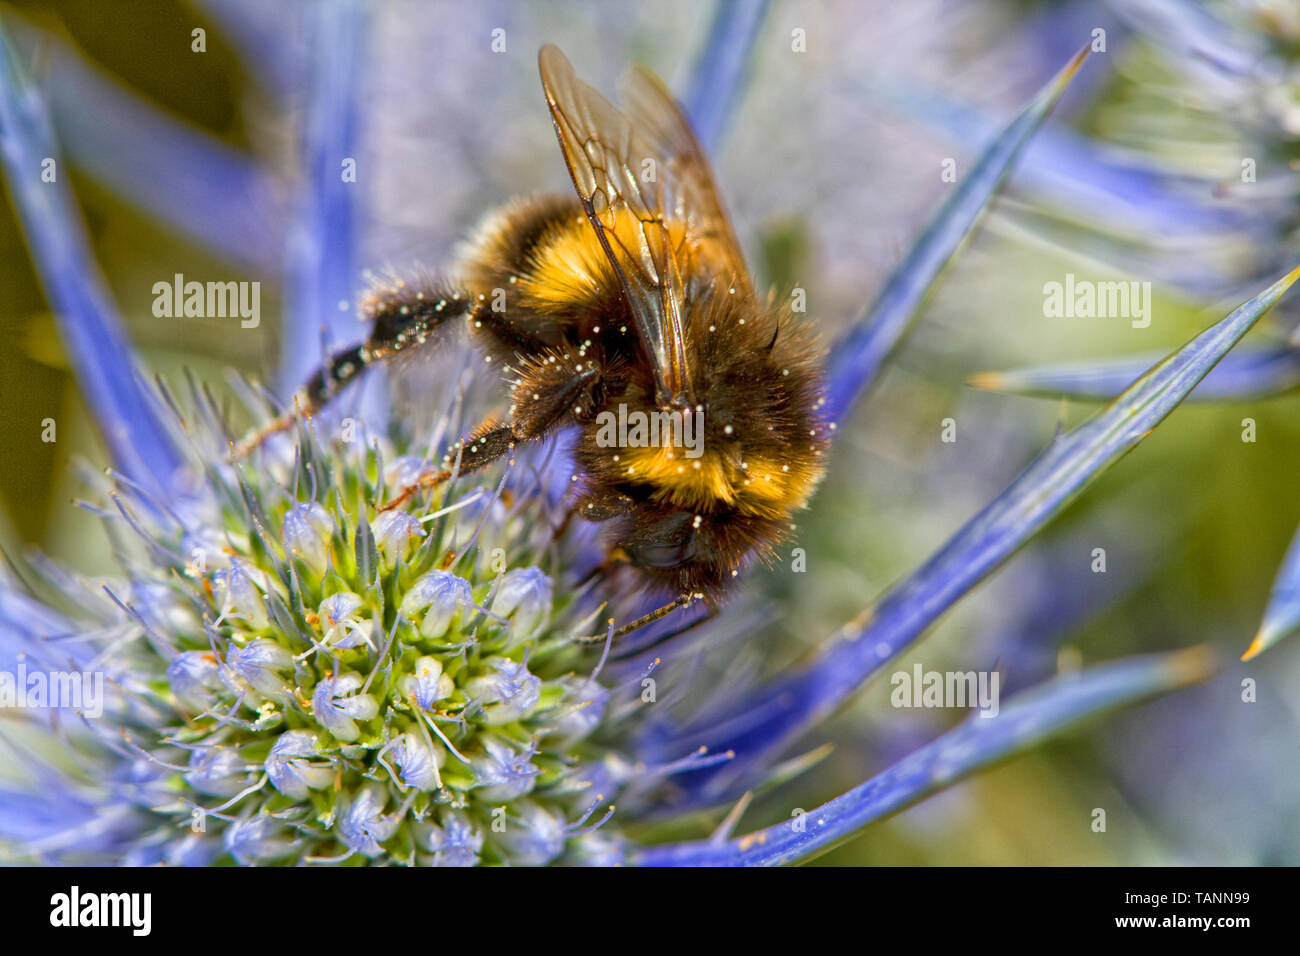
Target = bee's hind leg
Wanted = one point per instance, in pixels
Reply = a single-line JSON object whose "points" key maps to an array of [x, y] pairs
{"points": [[545, 397]]}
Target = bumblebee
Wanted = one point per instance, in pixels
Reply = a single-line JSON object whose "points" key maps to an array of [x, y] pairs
{"points": [[632, 298]]}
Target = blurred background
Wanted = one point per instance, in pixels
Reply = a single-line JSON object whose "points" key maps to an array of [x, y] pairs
{"points": [[191, 162]]}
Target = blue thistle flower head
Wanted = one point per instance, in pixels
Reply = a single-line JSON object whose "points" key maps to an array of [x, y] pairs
{"points": [[335, 680]]}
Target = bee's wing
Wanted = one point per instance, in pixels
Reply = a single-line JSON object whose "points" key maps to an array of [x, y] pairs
{"points": [[607, 153], [688, 192]]}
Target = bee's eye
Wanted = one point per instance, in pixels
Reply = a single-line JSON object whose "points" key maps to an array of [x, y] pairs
{"points": [[660, 554], [668, 543]]}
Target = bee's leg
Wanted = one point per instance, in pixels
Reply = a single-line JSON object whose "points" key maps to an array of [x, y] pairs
{"points": [[596, 505], [489, 442], [327, 381], [681, 601], [402, 315], [543, 398], [667, 636]]}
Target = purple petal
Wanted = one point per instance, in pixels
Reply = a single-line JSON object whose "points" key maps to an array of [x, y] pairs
{"points": [[183, 176], [321, 267], [718, 76], [972, 745], [91, 330], [858, 356]]}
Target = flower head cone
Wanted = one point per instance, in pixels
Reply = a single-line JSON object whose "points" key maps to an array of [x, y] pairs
{"points": [[296, 675]]}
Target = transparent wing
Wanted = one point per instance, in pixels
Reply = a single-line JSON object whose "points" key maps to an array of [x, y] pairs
{"points": [[687, 191], [636, 174]]}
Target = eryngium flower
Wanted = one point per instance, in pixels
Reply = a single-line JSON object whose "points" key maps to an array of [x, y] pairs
{"points": [[295, 675]]}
